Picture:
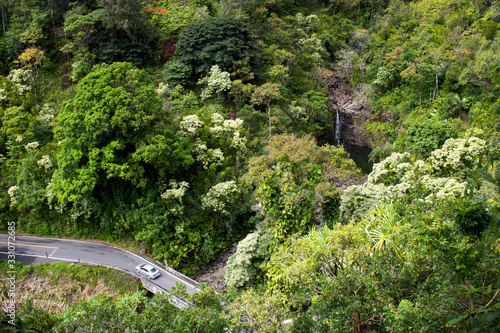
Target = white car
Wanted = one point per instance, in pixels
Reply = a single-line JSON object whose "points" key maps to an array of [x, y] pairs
{"points": [[147, 270]]}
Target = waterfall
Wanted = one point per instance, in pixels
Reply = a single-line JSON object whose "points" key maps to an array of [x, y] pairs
{"points": [[337, 128]]}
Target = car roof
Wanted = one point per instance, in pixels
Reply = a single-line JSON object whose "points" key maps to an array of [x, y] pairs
{"points": [[147, 266]]}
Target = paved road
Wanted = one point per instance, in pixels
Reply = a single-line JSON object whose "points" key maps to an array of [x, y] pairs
{"points": [[30, 250]]}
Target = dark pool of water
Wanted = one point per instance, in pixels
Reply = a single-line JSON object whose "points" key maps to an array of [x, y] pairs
{"points": [[360, 156]]}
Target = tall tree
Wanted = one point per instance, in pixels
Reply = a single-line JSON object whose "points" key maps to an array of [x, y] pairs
{"points": [[214, 41], [111, 130], [265, 94], [127, 15]]}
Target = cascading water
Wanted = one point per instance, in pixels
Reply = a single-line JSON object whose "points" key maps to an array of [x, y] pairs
{"points": [[337, 128]]}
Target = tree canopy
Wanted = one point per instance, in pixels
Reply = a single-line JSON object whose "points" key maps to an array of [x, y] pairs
{"points": [[214, 41], [111, 131]]}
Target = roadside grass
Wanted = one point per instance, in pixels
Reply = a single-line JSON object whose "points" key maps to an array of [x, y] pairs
{"points": [[55, 286]]}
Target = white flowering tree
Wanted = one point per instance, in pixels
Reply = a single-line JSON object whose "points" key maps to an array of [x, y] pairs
{"points": [[244, 266], [440, 178], [220, 196], [189, 125], [216, 82], [22, 78], [174, 196], [229, 129]]}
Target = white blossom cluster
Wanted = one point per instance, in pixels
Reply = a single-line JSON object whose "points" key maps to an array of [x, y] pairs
{"points": [[306, 20], [3, 97], [21, 78], [77, 68], [207, 156], [393, 166], [51, 196], [31, 146], [19, 138], [457, 154], [238, 142], [216, 81], [242, 266], [13, 192], [217, 156], [356, 200], [315, 47], [217, 120], [45, 162], [435, 180], [297, 111], [222, 127], [219, 195], [163, 90], [189, 125], [237, 273], [443, 188], [47, 114], [177, 191]]}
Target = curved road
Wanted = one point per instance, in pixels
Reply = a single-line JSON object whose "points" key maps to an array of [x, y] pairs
{"points": [[30, 250]]}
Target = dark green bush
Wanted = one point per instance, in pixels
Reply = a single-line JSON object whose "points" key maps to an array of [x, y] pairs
{"points": [[472, 217], [424, 137], [214, 41], [175, 73]]}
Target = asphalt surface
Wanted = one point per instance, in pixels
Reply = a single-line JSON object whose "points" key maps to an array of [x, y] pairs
{"points": [[32, 250]]}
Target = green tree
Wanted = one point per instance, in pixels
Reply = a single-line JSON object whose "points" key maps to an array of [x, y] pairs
{"points": [[109, 132], [265, 94], [295, 184], [426, 136], [315, 104], [214, 41], [128, 16], [174, 73]]}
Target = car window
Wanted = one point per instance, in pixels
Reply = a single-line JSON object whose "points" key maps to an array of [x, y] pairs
{"points": [[153, 270]]}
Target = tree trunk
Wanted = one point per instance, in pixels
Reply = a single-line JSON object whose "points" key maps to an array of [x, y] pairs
{"points": [[437, 78], [314, 124], [420, 101], [269, 116]]}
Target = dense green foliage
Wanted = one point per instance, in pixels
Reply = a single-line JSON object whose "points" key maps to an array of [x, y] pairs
{"points": [[194, 125], [214, 41], [424, 137]]}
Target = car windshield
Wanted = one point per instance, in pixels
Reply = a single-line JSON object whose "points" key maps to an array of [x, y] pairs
{"points": [[152, 270]]}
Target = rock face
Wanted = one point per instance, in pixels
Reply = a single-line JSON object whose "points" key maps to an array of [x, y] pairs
{"points": [[351, 111], [213, 273]]}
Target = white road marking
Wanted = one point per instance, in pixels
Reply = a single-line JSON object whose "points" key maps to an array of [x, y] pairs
{"points": [[106, 245], [55, 258]]}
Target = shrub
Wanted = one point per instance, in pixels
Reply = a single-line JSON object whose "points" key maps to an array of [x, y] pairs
{"points": [[472, 217], [424, 137], [174, 73], [244, 266]]}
